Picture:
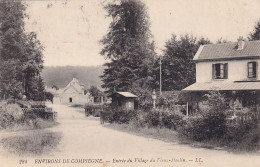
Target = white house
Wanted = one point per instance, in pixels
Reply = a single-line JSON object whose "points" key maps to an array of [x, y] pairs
{"points": [[230, 67], [73, 93]]}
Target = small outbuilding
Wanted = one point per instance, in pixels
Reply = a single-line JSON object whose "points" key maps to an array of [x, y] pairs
{"points": [[123, 100]]}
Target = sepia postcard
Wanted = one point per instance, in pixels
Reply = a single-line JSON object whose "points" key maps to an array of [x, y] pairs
{"points": [[131, 83]]}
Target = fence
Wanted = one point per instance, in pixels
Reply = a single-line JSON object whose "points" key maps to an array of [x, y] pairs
{"points": [[104, 116], [98, 110], [95, 109], [237, 116], [44, 113]]}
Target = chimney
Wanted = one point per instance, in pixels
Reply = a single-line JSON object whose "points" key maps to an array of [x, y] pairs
{"points": [[240, 43]]}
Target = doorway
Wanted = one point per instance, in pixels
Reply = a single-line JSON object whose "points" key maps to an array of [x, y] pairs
{"points": [[70, 100]]}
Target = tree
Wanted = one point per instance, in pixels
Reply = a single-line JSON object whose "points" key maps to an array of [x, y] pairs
{"points": [[128, 45], [221, 40], [178, 67], [49, 96], [55, 87], [95, 92], [10, 84], [255, 35], [20, 53]]}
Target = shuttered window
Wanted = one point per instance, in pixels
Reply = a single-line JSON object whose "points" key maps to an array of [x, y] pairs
{"points": [[220, 71], [251, 68]]}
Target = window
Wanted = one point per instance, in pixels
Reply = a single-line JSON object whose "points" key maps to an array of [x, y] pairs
{"points": [[251, 68], [220, 71], [70, 100]]}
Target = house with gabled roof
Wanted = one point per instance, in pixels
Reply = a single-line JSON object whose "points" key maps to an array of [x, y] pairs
{"points": [[73, 93], [229, 67]]}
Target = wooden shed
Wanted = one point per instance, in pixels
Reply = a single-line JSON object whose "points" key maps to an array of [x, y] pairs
{"points": [[123, 100]]}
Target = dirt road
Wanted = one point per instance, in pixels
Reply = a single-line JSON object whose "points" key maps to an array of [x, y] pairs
{"points": [[84, 142]]}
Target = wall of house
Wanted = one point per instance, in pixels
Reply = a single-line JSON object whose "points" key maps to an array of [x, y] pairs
{"points": [[237, 70], [128, 104], [77, 98]]}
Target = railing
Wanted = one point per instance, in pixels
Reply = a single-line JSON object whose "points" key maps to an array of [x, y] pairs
{"points": [[240, 116], [98, 110], [94, 110], [44, 113], [104, 116]]}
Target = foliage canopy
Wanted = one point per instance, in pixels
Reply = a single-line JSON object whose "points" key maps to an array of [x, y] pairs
{"points": [[129, 47], [20, 54]]}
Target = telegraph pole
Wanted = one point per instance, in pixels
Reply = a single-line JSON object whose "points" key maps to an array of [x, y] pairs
{"points": [[160, 75]]}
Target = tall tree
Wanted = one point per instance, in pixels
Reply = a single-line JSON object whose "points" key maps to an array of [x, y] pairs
{"points": [[20, 52], [255, 35], [178, 67], [128, 46]]}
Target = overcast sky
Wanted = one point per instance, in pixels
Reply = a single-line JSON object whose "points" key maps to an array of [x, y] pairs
{"points": [[70, 30]]}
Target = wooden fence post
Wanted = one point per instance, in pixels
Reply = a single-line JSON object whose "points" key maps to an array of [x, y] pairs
{"points": [[187, 109], [101, 118]]}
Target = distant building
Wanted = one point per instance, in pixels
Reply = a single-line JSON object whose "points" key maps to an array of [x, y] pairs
{"points": [[73, 93], [123, 100]]}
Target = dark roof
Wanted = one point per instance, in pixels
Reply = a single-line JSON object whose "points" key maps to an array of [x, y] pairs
{"points": [[251, 49], [125, 94], [207, 86]]}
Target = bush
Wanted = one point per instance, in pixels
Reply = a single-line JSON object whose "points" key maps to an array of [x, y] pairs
{"points": [[168, 99], [123, 116], [6, 120], [242, 136], [172, 120], [164, 118], [146, 106], [250, 141], [153, 118], [139, 121], [10, 115], [15, 111], [210, 125]]}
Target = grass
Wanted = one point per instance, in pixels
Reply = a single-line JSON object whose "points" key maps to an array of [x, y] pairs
{"points": [[32, 143], [249, 142], [163, 134], [242, 143], [168, 135]]}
